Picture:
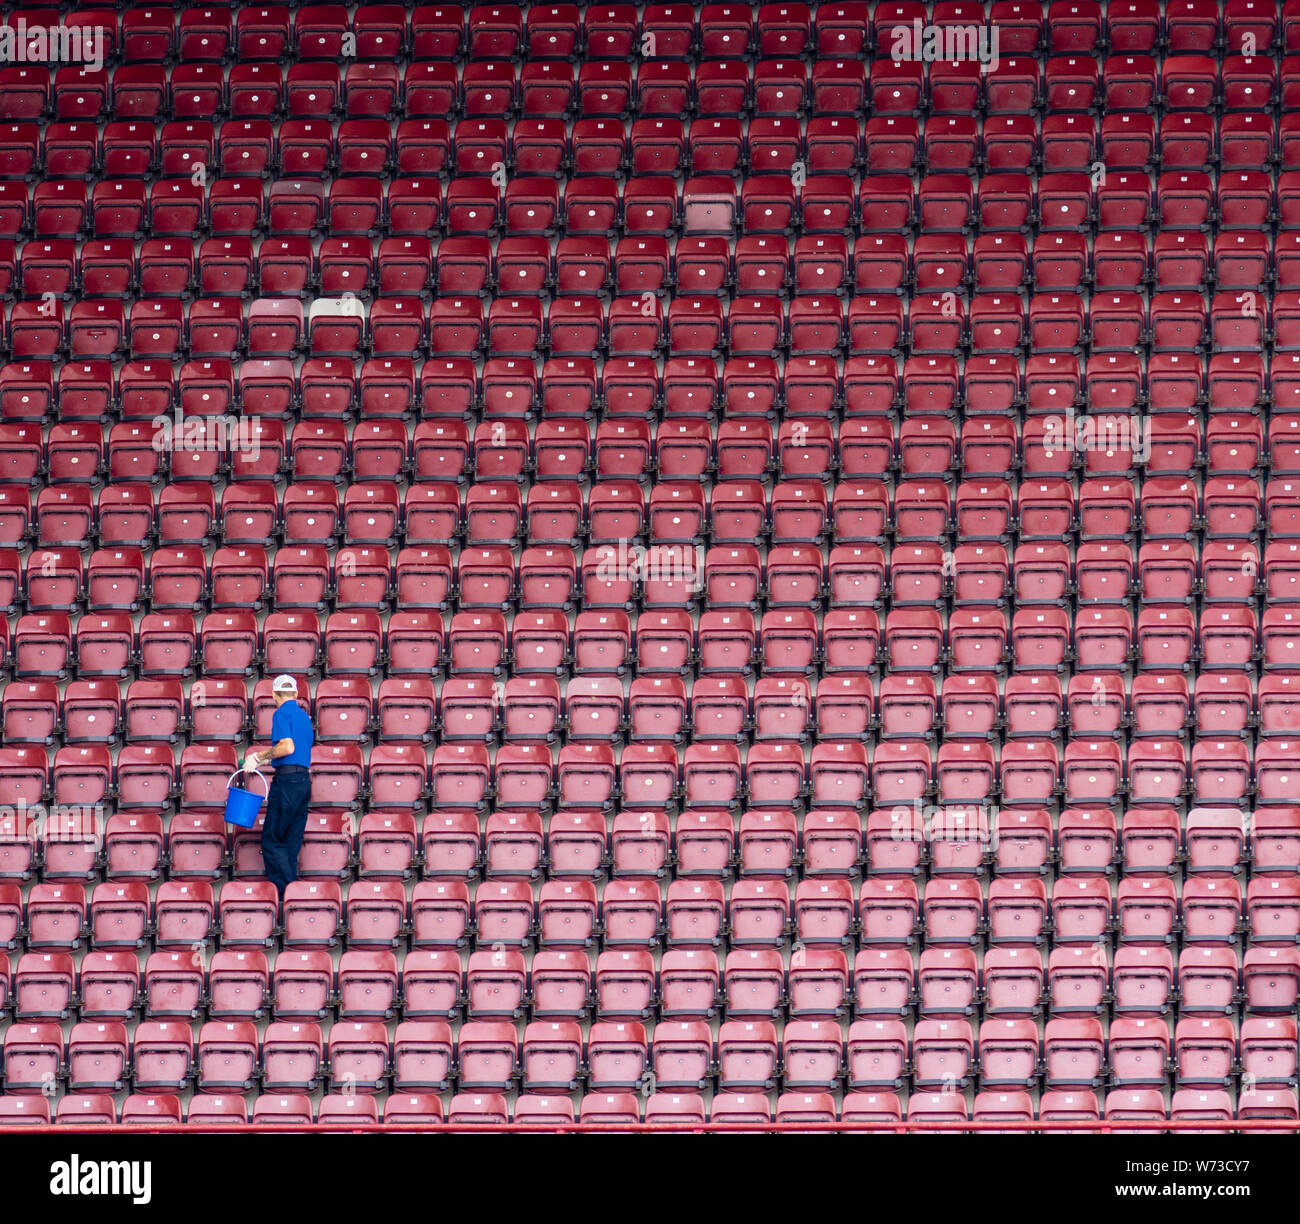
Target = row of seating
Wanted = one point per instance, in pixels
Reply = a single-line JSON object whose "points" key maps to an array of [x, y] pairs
{"points": [[676, 519], [957, 838], [1178, 262], [759, 326], [1088, 773], [1109, 504], [730, 577], [556, 1056], [658, 709], [448, 31], [632, 912], [546, 575], [718, 31], [1092, 769], [690, 984], [554, 515], [453, 31], [1105, 639], [452, 390], [891, 84], [246, 142], [708, 204], [940, 1109]]}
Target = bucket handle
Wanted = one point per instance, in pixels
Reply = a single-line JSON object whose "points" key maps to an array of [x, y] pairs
{"points": [[243, 773]]}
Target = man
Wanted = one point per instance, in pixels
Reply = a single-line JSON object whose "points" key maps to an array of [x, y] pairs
{"points": [[286, 805]]}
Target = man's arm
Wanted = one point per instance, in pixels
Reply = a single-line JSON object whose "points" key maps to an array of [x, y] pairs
{"points": [[281, 748]]}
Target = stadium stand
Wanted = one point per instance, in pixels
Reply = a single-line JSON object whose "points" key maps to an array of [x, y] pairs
{"points": [[786, 518]]}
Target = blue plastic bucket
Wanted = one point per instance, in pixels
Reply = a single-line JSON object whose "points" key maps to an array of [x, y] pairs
{"points": [[242, 806]]}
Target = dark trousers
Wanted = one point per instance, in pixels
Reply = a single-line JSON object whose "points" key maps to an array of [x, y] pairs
{"points": [[285, 824]]}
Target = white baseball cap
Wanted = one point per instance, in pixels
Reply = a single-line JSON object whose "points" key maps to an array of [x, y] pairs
{"points": [[284, 684]]}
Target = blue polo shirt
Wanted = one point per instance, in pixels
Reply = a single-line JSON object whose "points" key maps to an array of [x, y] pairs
{"points": [[290, 721]]}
